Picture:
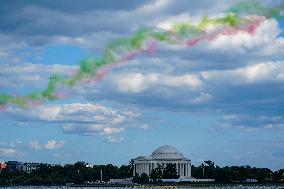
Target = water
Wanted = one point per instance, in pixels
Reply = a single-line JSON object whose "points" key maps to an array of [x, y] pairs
{"points": [[139, 187]]}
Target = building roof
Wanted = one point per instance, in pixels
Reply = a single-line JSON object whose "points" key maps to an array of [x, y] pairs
{"points": [[167, 152]]}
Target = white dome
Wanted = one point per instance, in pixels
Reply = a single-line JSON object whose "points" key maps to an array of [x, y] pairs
{"points": [[167, 152]]}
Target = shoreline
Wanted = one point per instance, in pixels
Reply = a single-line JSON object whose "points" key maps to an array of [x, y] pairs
{"points": [[182, 185], [160, 185]]}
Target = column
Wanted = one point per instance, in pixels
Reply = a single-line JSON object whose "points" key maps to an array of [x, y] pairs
{"points": [[137, 167], [149, 167], [188, 171], [179, 169], [176, 166]]}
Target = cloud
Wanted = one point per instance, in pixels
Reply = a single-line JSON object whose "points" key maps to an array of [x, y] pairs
{"points": [[35, 145], [85, 113], [35, 76], [114, 139], [137, 82], [50, 145], [29, 23], [8, 152], [266, 41], [228, 75], [92, 129], [53, 144], [248, 122], [78, 118], [109, 130], [256, 73]]}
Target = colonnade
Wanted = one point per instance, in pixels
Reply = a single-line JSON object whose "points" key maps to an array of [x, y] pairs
{"points": [[183, 167]]}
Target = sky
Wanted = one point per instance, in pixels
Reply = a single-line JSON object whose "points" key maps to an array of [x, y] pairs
{"points": [[220, 99]]}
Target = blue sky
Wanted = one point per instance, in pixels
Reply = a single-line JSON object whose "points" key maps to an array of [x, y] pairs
{"points": [[220, 100]]}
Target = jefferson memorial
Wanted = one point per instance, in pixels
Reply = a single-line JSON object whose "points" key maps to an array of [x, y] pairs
{"points": [[163, 155]]}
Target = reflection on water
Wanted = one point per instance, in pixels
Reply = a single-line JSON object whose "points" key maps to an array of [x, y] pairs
{"points": [[164, 187]]}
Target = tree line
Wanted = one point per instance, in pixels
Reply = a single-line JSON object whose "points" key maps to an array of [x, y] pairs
{"points": [[208, 170], [79, 173], [231, 174]]}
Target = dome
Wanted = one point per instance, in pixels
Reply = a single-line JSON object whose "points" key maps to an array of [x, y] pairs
{"points": [[167, 152]]}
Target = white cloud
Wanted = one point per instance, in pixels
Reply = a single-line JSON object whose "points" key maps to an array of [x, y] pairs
{"points": [[73, 112], [167, 23], [114, 139], [255, 73], [204, 75], [11, 144], [153, 6], [50, 145], [110, 131], [92, 129], [262, 71], [202, 98], [144, 126], [265, 41], [77, 118], [35, 145], [53, 144], [138, 82], [246, 122], [8, 152], [34, 76], [70, 128]]}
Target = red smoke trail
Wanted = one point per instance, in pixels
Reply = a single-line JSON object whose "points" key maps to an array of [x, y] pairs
{"points": [[2, 108], [250, 29]]}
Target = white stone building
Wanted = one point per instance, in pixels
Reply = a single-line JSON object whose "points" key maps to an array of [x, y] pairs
{"points": [[163, 156]]}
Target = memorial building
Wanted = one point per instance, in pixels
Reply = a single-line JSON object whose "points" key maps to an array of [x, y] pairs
{"points": [[162, 156]]}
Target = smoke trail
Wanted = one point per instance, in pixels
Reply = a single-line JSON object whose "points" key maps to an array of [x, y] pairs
{"points": [[254, 8], [243, 17]]}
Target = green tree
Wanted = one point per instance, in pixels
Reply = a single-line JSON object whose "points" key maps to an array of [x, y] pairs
{"points": [[124, 171], [157, 173], [170, 172], [144, 178], [136, 178], [110, 172]]}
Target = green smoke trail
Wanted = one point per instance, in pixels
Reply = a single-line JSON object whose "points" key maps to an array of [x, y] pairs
{"points": [[119, 49], [254, 7], [48, 93], [6, 99]]}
